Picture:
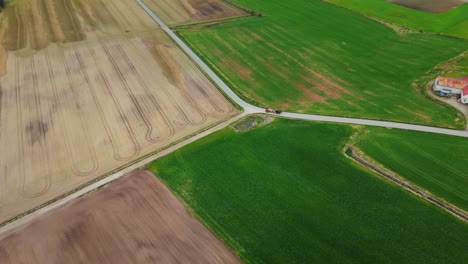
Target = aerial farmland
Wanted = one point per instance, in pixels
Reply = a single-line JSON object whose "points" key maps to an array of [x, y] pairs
{"points": [[370, 71], [87, 87], [233, 131], [276, 194]]}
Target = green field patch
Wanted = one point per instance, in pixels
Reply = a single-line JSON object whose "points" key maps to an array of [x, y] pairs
{"points": [[313, 57], [452, 23], [285, 193], [436, 163]]}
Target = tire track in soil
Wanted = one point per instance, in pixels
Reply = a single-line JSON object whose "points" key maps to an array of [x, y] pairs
{"points": [[183, 88], [94, 163], [123, 79], [36, 134], [136, 146], [211, 99], [173, 102], [39, 35], [77, 34], [44, 85], [8, 122], [44, 142], [3, 167], [54, 22], [56, 96], [83, 134], [177, 104], [142, 84], [148, 94], [116, 22], [148, 65], [3, 172], [140, 21], [90, 19], [13, 37], [28, 50], [111, 137]]}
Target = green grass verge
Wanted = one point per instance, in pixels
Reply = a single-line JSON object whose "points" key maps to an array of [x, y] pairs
{"points": [[458, 67], [310, 56], [285, 193], [436, 163], [452, 23]]}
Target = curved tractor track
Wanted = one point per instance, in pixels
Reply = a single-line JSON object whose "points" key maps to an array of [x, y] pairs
{"points": [[94, 90]]}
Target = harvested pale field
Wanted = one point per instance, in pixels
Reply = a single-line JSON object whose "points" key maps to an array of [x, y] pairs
{"points": [[73, 111], [134, 220], [27, 25], [177, 12]]}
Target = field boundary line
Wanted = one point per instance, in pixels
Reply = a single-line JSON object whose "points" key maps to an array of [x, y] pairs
{"points": [[359, 157], [241, 7], [210, 22]]}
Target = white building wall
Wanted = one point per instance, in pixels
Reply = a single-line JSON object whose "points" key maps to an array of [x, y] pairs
{"points": [[438, 87], [464, 99]]}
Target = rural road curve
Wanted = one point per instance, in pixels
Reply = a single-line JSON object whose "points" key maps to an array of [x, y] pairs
{"points": [[248, 108]]}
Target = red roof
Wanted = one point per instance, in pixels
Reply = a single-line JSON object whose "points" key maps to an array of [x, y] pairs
{"points": [[465, 79], [465, 91], [452, 82]]}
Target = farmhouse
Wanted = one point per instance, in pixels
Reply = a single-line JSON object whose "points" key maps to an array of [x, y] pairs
{"points": [[464, 95], [447, 86]]}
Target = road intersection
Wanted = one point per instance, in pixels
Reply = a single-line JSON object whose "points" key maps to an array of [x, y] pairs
{"points": [[248, 108]]}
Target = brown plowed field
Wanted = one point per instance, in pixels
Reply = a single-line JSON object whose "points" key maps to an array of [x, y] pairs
{"points": [[178, 12], [84, 96], [132, 220]]}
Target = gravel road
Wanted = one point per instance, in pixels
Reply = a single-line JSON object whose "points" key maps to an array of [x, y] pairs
{"points": [[248, 108]]}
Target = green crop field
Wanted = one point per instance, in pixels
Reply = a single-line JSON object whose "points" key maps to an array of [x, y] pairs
{"points": [[310, 56], [437, 163], [285, 193], [453, 22]]}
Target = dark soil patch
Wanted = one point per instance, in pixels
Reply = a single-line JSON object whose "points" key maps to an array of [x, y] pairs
{"points": [[248, 123], [431, 6], [134, 220]]}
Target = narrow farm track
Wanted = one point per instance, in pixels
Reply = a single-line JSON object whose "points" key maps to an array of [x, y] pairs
{"points": [[253, 109], [450, 208]]}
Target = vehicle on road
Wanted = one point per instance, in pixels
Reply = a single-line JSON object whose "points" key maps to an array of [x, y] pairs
{"points": [[273, 111]]}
